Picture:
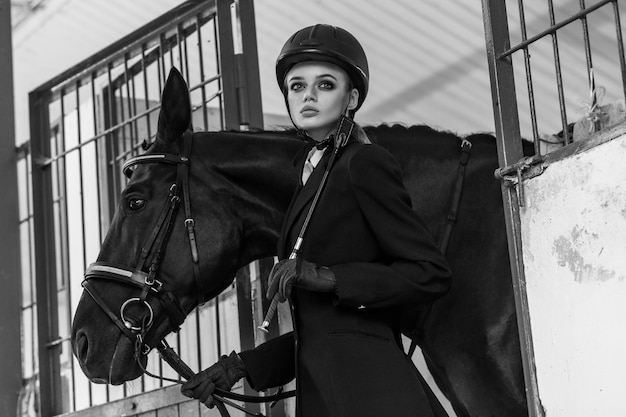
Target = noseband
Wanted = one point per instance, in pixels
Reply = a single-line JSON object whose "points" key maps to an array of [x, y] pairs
{"points": [[149, 286]]}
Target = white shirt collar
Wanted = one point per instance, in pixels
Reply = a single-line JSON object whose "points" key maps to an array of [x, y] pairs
{"points": [[315, 155]]}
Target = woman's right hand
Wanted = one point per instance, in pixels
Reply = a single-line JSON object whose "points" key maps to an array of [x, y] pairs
{"points": [[223, 375]]}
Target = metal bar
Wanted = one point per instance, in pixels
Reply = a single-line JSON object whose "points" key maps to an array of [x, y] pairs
{"points": [[45, 268], [589, 62], [99, 169], [111, 143], [241, 82], [509, 151], [586, 41], [207, 100], [146, 94], [10, 271], [127, 143], [218, 327], [111, 108], [205, 115], [23, 152], [163, 72], [246, 324], [220, 86], [552, 29], [135, 123], [251, 64], [227, 66], [120, 142], [529, 79], [83, 229], [59, 178], [182, 46], [620, 46], [172, 63], [559, 76], [181, 58], [59, 186]]}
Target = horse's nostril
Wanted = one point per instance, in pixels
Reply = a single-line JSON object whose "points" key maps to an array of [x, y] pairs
{"points": [[82, 347]]}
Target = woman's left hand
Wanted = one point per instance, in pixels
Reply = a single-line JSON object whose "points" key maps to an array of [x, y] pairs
{"points": [[301, 273]]}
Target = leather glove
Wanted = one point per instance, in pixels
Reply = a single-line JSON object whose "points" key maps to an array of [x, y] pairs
{"points": [[303, 274], [223, 374]]}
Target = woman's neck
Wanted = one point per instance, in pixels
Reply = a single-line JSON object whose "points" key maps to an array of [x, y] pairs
{"points": [[319, 136]]}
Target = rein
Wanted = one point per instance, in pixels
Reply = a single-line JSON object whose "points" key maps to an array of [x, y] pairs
{"points": [[150, 287]]}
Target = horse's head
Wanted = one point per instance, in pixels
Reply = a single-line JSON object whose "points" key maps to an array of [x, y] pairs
{"points": [[151, 271]]}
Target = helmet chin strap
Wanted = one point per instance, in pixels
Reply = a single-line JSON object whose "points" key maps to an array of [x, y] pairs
{"points": [[345, 117]]}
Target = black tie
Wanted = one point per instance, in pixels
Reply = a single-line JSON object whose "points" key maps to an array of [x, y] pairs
{"points": [[325, 143]]}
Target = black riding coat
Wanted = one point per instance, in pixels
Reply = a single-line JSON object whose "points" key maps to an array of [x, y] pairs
{"points": [[345, 351]]}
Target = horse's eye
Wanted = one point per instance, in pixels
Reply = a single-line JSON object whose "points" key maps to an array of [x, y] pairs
{"points": [[136, 204]]}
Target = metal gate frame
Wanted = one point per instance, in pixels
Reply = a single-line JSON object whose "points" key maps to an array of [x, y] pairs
{"points": [[509, 142], [239, 97], [10, 363]]}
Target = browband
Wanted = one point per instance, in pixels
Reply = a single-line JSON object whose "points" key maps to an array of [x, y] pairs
{"points": [[165, 158]]}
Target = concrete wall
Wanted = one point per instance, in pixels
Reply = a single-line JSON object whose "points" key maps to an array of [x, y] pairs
{"points": [[574, 245]]}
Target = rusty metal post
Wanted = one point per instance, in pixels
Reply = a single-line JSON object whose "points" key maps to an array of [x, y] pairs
{"points": [[50, 389], [227, 66], [10, 300], [250, 66], [510, 151]]}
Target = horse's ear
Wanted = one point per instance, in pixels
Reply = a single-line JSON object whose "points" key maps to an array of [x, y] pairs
{"points": [[175, 115]]}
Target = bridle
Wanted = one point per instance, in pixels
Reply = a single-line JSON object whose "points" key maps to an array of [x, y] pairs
{"points": [[152, 253], [152, 250]]}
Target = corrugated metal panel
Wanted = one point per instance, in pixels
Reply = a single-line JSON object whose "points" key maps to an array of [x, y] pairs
{"points": [[425, 66], [427, 58]]}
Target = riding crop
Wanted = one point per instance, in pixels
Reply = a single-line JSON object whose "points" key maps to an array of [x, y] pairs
{"points": [[341, 138]]}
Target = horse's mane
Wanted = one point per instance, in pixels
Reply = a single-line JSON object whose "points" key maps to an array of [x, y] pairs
{"points": [[405, 132], [383, 131]]}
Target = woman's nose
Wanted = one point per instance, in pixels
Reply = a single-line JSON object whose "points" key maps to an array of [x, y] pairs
{"points": [[309, 94]]}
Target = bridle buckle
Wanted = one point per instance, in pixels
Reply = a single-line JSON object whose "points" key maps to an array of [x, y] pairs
{"points": [[153, 283]]}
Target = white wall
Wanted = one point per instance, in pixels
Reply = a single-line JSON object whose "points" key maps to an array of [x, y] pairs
{"points": [[574, 241]]}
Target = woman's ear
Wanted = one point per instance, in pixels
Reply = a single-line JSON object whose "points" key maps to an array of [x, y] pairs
{"points": [[354, 99]]}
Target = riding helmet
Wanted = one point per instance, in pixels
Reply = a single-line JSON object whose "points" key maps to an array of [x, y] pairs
{"points": [[329, 44]]}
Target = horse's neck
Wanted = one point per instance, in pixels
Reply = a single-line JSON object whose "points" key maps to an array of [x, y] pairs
{"points": [[429, 160], [257, 173]]}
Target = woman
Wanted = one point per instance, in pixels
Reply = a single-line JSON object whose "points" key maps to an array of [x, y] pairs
{"points": [[365, 255]]}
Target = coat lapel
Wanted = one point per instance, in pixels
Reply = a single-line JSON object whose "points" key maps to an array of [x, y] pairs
{"points": [[301, 199]]}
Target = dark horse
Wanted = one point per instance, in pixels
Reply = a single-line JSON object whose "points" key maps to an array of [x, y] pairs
{"points": [[239, 187]]}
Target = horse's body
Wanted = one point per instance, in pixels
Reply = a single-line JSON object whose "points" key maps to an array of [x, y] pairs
{"points": [[240, 186]]}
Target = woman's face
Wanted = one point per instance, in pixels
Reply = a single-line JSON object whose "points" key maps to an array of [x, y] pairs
{"points": [[317, 94]]}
